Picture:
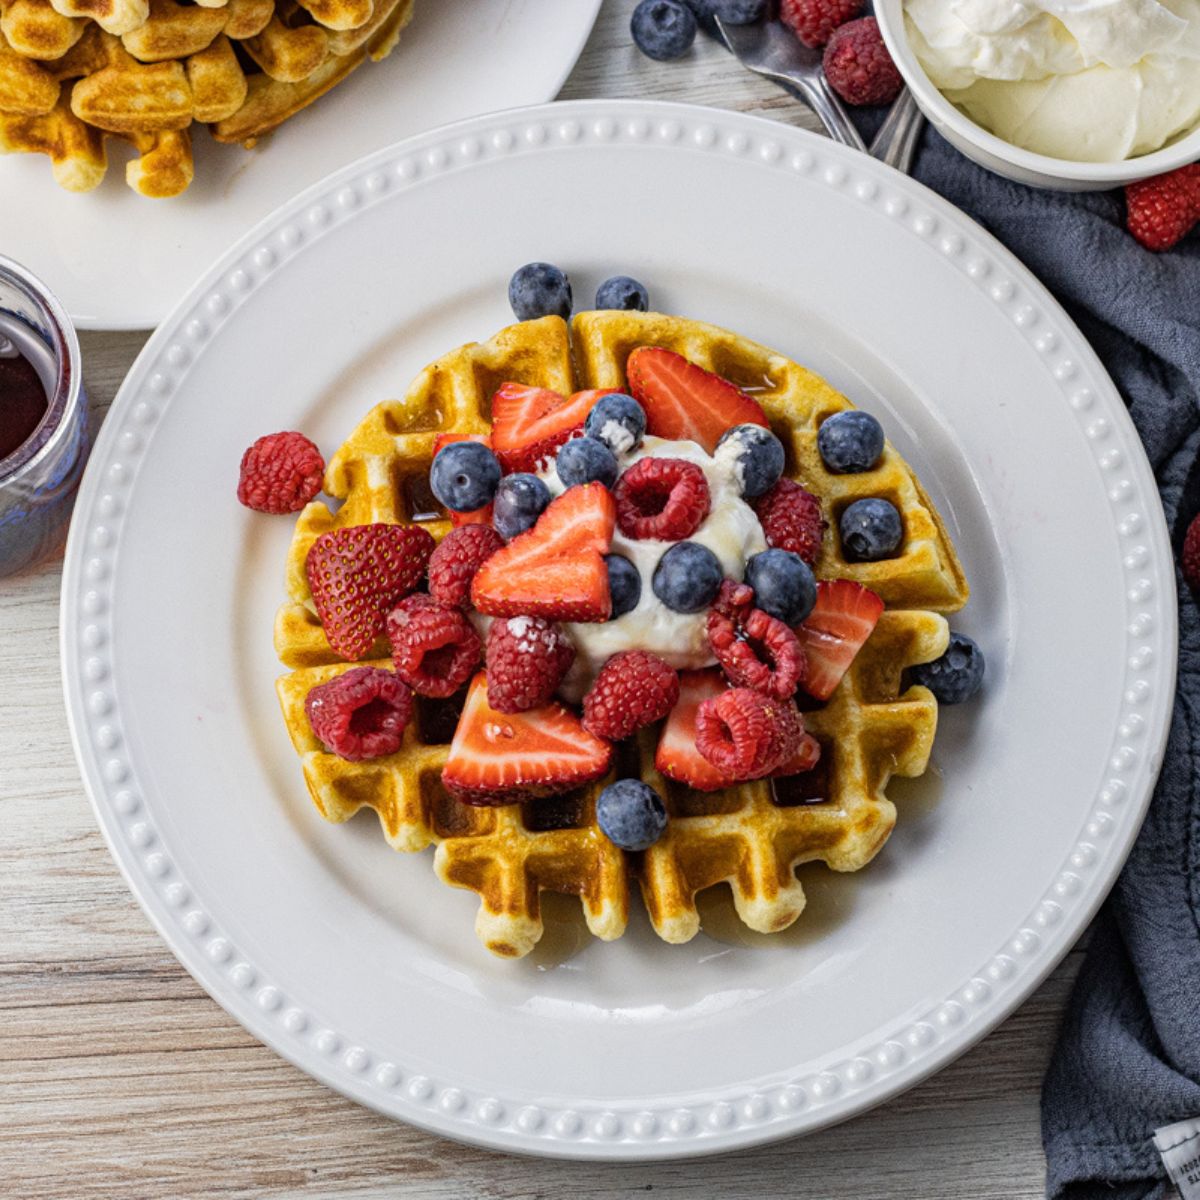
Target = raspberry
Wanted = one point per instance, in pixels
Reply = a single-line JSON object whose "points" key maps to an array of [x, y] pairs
{"points": [[812, 21], [757, 651], [526, 660], [665, 498], [747, 735], [791, 520], [458, 556], [280, 473], [434, 648], [1162, 210], [734, 600], [633, 689], [360, 713], [858, 65], [1190, 559]]}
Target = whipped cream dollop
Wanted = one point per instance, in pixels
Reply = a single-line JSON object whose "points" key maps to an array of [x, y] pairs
{"points": [[731, 531], [1087, 80]]}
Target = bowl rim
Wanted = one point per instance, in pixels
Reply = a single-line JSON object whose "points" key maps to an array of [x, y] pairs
{"points": [[890, 15]]}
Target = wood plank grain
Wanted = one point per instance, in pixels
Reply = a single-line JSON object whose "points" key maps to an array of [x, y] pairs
{"points": [[120, 1077]]}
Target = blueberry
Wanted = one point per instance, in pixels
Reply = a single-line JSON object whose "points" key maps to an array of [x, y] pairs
{"points": [[871, 529], [622, 292], [757, 456], [783, 585], [850, 442], [519, 502], [687, 577], [663, 29], [464, 476], [624, 583], [631, 814], [957, 675], [586, 460], [539, 290], [619, 421], [732, 12]]}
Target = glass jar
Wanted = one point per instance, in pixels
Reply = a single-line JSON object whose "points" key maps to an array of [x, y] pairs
{"points": [[39, 477]]}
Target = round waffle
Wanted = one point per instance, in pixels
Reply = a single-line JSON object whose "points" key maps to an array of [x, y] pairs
{"points": [[751, 836]]}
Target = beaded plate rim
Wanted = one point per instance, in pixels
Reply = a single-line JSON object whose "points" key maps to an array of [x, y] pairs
{"points": [[762, 1111]]}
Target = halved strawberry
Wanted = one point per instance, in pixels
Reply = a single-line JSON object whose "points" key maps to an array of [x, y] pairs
{"points": [[804, 759], [677, 757], [834, 632], [357, 574], [477, 516], [530, 423], [684, 401], [500, 758], [556, 569]]}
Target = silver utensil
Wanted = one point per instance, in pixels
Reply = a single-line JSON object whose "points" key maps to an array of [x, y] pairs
{"points": [[769, 49], [896, 141]]}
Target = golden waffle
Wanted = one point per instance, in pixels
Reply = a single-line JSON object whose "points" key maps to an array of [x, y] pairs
{"points": [[751, 836], [72, 71]]}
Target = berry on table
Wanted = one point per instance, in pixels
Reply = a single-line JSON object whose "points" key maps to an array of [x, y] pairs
{"points": [[663, 498], [1162, 210], [783, 585], [634, 688], [361, 713], [957, 675], [622, 292], [1190, 558], [687, 577], [850, 442], [731, 12], [756, 455], [454, 562], [748, 735], [527, 658], [539, 289], [858, 65], [464, 476], [871, 529], [586, 460], [813, 21], [618, 421], [624, 583], [280, 473], [357, 574], [663, 29], [520, 500], [791, 519], [631, 814], [435, 650]]}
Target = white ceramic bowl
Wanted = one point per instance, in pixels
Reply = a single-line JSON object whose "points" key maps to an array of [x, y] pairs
{"points": [[1003, 157]]}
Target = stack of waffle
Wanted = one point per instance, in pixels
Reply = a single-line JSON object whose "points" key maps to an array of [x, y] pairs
{"points": [[750, 836], [74, 72]]}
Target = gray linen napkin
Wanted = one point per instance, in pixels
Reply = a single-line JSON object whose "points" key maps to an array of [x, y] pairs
{"points": [[1128, 1055]]}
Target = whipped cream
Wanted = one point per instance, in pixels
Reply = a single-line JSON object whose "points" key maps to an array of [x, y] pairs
{"points": [[1087, 80], [731, 531]]}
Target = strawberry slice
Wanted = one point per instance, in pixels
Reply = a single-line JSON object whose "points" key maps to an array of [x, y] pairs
{"points": [[804, 759], [530, 423], [500, 758], [477, 516], [556, 569], [677, 757], [684, 401], [834, 632], [357, 574]]}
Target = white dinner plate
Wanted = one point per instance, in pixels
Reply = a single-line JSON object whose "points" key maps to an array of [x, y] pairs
{"points": [[119, 261], [352, 960]]}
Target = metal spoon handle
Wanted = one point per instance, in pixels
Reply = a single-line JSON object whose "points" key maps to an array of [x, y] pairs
{"points": [[825, 103], [896, 141]]}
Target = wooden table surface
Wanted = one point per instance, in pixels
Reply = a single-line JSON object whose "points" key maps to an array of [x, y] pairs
{"points": [[120, 1077]]}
